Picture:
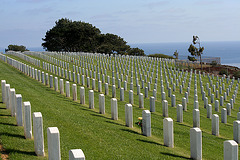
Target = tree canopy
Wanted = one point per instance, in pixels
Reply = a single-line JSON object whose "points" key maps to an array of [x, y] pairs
{"points": [[136, 52], [12, 47], [71, 36], [176, 54], [75, 36], [196, 51], [110, 43]]}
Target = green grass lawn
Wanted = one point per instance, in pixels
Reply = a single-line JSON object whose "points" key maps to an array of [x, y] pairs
{"points": [[97, 135]]}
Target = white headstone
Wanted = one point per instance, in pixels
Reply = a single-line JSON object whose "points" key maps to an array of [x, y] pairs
{"points": [[228, 109], [53, 137], [173, 100], [91, 99], [12, 101], [76, 154], [27, 120], [236, 131], [196, 143], [131, 97], [7, 87], [209, 111], [74, 91], [230, 150], [216, 105], [141, 101], [82, 95], [146, 122], [168, 132], [215, 124], [38, 133], [129, 115], [101, 104], [196, 118], [224, 115], [165, 108], [152, 104], [19, 110], [3, 83], [67, 89], [56, 83], [179, 113], [114, 109]]}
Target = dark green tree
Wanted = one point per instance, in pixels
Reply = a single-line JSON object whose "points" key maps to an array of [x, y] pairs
{"points": [[196, 51], [190, 58], [135, 52], [111, 43], [71, 36], [12, 47], [176, 54]]}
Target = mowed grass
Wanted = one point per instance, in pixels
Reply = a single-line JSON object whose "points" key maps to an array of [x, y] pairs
{"points": [[104, 138], [97, 135]]}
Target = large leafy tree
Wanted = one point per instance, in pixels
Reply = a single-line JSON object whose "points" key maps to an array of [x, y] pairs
{"points": [[12, 47], [196, 51], [136, 52], [69, 35], [74, 36], [110, 43]]}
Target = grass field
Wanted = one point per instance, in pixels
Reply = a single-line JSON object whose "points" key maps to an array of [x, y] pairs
{"points": [[97, 135]]}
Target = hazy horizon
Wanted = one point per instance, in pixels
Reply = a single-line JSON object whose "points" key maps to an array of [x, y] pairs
{"points": [[1, 47]]}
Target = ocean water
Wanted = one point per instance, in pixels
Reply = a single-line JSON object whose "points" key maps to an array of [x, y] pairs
{"points": [[228, 51]]}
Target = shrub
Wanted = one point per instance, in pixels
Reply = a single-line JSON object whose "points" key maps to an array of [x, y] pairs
{"points": [[223, 71], [214, 63], [158, 55], [192, 58], [236, 74]]}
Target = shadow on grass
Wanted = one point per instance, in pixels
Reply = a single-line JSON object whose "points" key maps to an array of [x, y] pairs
{"points": [[227, 124], [99, 115], [5, 115], [130, 131], [182, 124], [2, 108], [12, 135], [114, 122], [173, 155], [151, 142], [8, 124], [8, 151]]}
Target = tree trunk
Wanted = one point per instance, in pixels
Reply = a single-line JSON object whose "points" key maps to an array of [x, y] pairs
{"points": [[201, 61]]}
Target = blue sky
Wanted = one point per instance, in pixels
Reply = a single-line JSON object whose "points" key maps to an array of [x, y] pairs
{"points": [[25, 22]]}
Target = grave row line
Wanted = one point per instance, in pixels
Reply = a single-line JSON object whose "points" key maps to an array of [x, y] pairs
{"points": [[145, 78], [84, 55], [25, 57], [22, 112], [209, 91], [212, 77]]}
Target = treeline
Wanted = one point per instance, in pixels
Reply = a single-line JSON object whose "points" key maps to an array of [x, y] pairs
{"points": [[77, 36]]}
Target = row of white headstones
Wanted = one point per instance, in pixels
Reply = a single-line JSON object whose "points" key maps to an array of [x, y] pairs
{"points": [[168, 123], [152, 99], [22, 112]]}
